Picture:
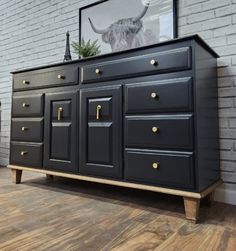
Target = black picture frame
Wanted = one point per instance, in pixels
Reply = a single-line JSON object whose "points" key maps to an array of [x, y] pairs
{"points": [[175, 17]]}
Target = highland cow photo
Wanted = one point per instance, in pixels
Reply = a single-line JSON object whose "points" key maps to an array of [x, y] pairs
{"points": [[119, 25]]}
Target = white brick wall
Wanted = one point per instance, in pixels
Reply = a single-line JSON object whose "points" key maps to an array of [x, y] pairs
{"points": [[32, 32], [215, 21]]}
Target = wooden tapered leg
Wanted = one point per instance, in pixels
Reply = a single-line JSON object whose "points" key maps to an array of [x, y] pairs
{"points": [[49, 176], [16, 176], [207, 201], [191, 206]]}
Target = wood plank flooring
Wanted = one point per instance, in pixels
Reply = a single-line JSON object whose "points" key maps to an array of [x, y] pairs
{"points": [[64, 214]]}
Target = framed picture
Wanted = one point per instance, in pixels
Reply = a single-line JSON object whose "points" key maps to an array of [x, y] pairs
{"points": [[119, 25]]}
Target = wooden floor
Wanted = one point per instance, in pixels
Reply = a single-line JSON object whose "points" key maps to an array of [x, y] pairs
{"points": [[65, 214]]}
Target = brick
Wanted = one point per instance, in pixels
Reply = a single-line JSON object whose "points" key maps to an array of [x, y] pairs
{"points": [[234, 60], [225, 102], [234, 19], [230, 29], [227, 71], [216, 42], [229, 166], [206, 34], [216, 23], [200, 16], [186, 11], [224, 62], [189, 29], [223, 123], [226, 144], [213, 4], [227, 92], [227, 155], [223, 11], [232, 123], [231, 39]]}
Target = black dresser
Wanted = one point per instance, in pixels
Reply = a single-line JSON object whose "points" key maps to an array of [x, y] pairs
{"points": [[145, 118]]}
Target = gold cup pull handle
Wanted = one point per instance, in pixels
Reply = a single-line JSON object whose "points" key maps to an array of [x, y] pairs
{"points": [[59, 113], [98, 115]]}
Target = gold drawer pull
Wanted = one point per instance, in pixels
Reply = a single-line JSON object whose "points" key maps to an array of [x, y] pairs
{"points": [[61, 76], [59, 113], [26, 82], [25, 105], [155, 129], [98, 115], [155, 165], [98, 71], [23, 128], [154, 95], [22, 153], [153, 62]]}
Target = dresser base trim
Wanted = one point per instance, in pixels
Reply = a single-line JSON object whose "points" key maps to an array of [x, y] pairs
{"points": [[191, 199]]}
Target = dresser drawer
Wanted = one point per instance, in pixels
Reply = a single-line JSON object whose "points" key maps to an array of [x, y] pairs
{"points": [[162, 131], [27, 129], [54, 76], [29, 154], [162, 168], [27, 106], [159, 96], [161, 62]]}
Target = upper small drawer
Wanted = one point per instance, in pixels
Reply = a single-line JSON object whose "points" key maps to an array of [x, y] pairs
{"points": [[27, 129], [53, 76], [166, 61], [159, 96], [27, 106]]}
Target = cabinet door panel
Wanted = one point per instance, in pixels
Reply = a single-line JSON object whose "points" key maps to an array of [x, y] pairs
{"points": [[58, 150], [60, 132], [100, 134]]}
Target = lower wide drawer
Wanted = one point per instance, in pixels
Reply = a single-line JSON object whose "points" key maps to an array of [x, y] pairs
{"points": [[159, 131], [174, 169], [26, 154]]}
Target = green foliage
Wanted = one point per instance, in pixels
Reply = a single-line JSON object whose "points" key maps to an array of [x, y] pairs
{"points": [[86, 49]]}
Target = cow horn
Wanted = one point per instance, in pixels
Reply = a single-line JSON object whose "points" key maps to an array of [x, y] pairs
{"points": [[95, 29], [142, 14]]}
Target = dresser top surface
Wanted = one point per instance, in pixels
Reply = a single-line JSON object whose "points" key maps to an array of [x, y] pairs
{"points": [[196, 38]]}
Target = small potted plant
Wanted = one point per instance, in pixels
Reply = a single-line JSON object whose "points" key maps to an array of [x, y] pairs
{"points": [[86, 49]]}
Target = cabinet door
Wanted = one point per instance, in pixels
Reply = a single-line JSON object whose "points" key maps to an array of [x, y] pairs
{"points": [[100, 134], [60, 132]]}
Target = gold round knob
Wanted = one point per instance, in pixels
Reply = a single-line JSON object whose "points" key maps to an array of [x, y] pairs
{"points": [[25, 105], [23, 153], [25, 82], [155, 129], [97, 71], [60, 76], [153, 62], [155, 165], [153, 95]]}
